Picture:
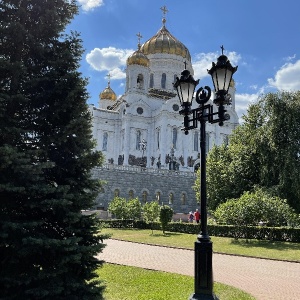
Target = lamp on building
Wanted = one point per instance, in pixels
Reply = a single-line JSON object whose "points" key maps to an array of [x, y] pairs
{"points": [[221, 73]]}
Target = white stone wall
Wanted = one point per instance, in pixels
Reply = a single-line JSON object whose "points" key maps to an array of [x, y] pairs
{"points": [[157, 114]]}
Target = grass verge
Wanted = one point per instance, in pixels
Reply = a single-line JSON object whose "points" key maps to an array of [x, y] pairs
{"points": [[255, 248], [132, 283]]}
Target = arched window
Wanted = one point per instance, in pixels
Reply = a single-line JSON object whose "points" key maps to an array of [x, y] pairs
{"points": [[140, 81], [171, 198], [145, 196], [104, 143], [196, 141], [131, 194], [157, 197], [163, 80], [174, 137], [151, 81], [116, 192], [138, 140], [183, 199]]}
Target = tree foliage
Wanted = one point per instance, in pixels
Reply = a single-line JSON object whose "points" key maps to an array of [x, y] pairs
{"points": [[263, 151], [47, 247], [151, 212], [118, 208], [217, 160], [134, 209], [255, 207], [123, 209], [165, 216]]}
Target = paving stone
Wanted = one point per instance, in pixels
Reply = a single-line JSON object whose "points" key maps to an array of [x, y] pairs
{"points": [[262, 278]]}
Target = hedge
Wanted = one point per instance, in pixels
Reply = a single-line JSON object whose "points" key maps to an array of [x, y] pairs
{"points": [[285, 234]]}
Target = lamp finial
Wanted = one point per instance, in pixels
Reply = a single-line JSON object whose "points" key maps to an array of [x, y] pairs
{"points": [[222, 47]]}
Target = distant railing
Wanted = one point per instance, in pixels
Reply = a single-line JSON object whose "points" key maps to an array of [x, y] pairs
{"points": [[139, 169]]}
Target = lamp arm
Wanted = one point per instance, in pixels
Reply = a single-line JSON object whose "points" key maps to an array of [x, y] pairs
{"points": [[204, 93]]}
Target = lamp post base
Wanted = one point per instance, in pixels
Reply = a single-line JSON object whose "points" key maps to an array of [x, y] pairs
{"points": [[203, 297], [203, 270]]}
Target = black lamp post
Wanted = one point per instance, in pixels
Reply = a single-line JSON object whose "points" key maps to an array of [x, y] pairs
{"points": [[221, 74]]}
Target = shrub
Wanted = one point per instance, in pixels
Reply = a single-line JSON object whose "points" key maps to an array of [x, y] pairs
{"points": [[285, 234], [165, 216], [255, 207]]}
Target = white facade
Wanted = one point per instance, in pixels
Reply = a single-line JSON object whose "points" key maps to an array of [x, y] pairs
{"points": [[149, 111]]}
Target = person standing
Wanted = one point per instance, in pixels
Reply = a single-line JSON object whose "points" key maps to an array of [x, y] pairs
{"points": [[197, 216], [191, 217]]}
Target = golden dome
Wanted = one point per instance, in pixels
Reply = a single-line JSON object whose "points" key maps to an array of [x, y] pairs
{"points": [[108, 93], [165, 42], [138, 58]]}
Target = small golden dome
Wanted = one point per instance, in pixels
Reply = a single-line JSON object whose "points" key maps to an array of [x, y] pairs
{"points": [[165, 42], [138, 58], [108, 93]]}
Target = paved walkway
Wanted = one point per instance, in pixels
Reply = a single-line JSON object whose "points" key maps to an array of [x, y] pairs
{"points": [[262, 278]]}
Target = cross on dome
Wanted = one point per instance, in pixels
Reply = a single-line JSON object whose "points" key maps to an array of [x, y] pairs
{"points": [[139, 39], [108, 76], [164, 10]]}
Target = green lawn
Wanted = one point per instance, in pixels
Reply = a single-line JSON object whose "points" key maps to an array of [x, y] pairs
{"points": [[131, 283], [264, 249]]}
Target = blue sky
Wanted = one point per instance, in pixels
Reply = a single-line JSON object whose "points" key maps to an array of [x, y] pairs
{"points": [[262, 37]]}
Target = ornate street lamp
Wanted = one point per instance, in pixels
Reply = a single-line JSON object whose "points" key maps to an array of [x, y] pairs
{"points": [[221, 73]]}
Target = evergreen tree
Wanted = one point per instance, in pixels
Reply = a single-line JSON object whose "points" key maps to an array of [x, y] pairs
{"points": [[47, 247]]}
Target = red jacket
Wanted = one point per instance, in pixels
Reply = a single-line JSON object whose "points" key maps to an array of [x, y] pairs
{"points": [[197, 215]]}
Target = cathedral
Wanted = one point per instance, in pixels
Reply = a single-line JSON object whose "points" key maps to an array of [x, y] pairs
{"points": [[146, 153]]}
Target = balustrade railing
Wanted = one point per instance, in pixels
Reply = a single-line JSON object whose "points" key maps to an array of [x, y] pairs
{"points": [[139, 169]]}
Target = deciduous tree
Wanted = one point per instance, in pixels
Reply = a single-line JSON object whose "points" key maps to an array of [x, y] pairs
{"points": [[263, 151], [151, 212], [118, 208]]}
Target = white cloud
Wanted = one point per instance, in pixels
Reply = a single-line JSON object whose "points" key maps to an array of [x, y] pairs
{"points": [[242, 102], [203, 62], [90, 4], [109, 59], [290, 58], [287, 78]]}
